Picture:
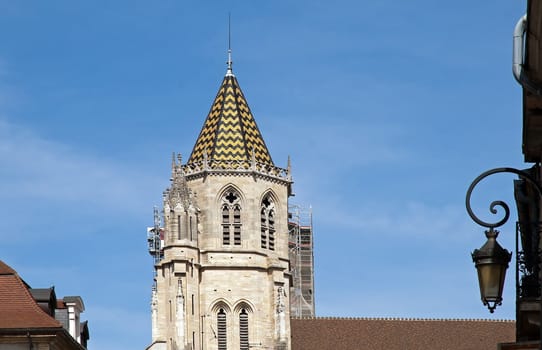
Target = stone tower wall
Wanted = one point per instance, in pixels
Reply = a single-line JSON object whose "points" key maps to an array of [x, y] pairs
{"points": [[232, 277]]}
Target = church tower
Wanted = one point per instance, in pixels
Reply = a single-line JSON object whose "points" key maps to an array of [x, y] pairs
{"points": [[222, 276]]}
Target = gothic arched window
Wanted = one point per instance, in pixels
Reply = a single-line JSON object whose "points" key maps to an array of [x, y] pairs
{"points": [[267, 220], [231, 218], [222, 330], [243, 330]]}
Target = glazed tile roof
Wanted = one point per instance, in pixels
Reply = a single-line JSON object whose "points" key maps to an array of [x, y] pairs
{"points": [[17, 307], [399, 334], [230, 134]]}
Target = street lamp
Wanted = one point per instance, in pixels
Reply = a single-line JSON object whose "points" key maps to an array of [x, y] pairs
{"points": [[491, 260]]}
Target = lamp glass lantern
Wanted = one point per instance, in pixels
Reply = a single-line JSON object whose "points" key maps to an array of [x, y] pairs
{"points": [[491, 262]]}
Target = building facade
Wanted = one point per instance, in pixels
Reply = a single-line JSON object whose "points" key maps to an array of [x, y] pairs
{"points": [[222, 274], [527, 69], [29, 317]]}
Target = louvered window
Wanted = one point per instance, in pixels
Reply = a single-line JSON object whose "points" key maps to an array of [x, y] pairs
{"points": [[271, 226], [231, 219], [221, 330], [237, 225], [263, 236], [267, 224], [225, 225], [243, 330]]}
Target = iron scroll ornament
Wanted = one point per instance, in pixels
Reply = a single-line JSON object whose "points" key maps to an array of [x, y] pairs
{"points": [[491, 260], [498, 203]]}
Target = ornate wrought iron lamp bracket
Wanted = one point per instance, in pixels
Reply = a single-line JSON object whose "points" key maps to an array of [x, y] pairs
{"points": [[523, 175], [491, 260]]}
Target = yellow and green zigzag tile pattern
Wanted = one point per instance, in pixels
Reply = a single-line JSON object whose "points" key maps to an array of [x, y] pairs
{"points": [[230, 132]]}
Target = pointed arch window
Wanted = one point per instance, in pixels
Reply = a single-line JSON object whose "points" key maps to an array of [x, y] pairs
{"points": [[267, 221], [243, 330], [231, 218], [222, 330]]}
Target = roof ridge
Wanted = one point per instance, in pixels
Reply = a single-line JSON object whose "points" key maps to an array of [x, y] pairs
{"points": [[411, 319]]}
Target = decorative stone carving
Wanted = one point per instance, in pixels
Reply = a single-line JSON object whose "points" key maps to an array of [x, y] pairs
{"points": [[281, 314], [154, 314], [179, 193]]}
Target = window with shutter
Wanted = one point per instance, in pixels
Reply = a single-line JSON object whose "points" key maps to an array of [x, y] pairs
{"points": [[267, 223], [221, 330], [231, 218], [243, 330]]}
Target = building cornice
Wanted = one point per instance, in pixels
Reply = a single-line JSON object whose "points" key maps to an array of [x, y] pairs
{"points": [[236, 168]]}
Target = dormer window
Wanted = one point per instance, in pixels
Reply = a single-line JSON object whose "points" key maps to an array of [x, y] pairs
{"points": [[231, 218]]}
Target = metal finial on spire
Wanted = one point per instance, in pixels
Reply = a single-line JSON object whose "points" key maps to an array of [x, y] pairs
{"points": [[229, 72]]}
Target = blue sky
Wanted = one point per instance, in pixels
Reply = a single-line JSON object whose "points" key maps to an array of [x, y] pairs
{"points": [[389, 109]]}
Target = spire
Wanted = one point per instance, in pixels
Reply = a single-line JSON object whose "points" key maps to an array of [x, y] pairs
{"points": [[173, 166], [230, 137], [289, 167], [178, 193], [229, 71]]}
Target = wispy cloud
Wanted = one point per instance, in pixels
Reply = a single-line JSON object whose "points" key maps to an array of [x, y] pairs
{"points": [[336, 145], [34, 167], [413, 219]]}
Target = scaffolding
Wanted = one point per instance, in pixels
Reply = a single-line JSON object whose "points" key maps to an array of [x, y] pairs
{"points": [[300, 244], [155, 239]]}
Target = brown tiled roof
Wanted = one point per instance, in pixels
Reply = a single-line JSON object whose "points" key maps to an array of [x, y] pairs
{"points": [[17, 307], [5, 269], [399, 334]]}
